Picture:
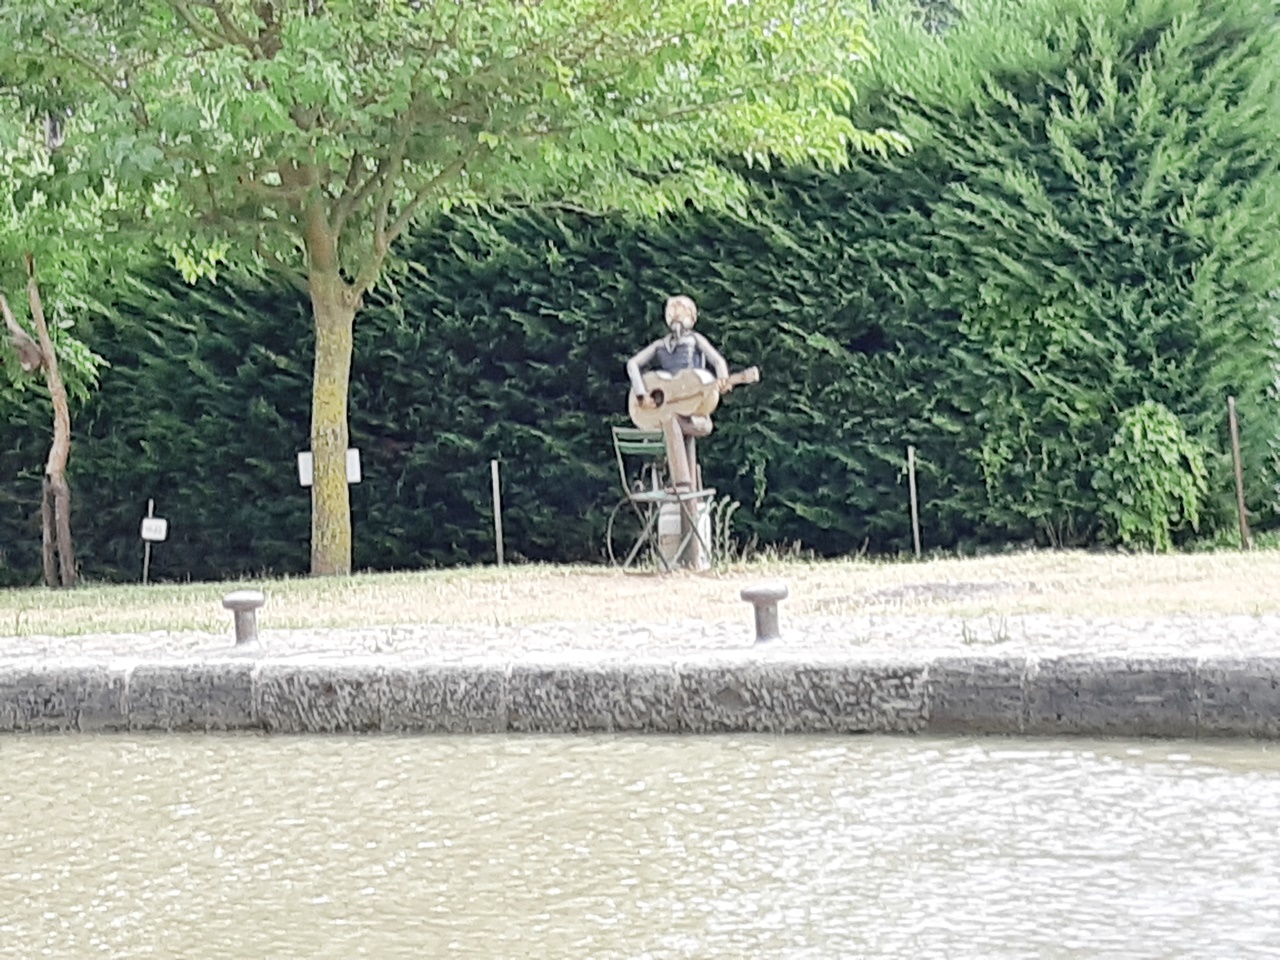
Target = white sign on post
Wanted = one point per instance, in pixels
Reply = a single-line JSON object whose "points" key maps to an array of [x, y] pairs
{"points": [[155, 529], [306, 467]]}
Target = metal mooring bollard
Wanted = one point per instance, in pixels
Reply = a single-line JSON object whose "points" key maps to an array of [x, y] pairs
{"points": [[245, 603], [765, 597]]}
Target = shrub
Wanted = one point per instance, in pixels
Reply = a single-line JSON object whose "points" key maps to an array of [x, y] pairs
{"points": [[1153, 478]]}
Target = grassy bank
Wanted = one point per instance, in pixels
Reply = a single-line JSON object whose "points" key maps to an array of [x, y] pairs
{"points": [[1063, 583]]}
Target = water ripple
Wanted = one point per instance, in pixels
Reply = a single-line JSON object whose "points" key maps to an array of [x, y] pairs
{"points": [[796, 848]]}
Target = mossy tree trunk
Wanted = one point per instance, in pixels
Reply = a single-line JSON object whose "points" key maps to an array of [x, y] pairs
{"points": [[333, 305]]}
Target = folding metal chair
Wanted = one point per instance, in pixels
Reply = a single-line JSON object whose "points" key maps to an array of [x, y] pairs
{"points": [[642, 468]]}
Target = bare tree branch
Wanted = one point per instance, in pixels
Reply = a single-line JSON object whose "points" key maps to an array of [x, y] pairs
{"points": [[55, 506], [269, 42]]}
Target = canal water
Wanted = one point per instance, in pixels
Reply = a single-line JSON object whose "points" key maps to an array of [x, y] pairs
{"points": [[251, 847]]}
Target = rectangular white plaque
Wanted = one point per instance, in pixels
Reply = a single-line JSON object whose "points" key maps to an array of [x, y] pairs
{"points": [[155, 529], [306, 467]]}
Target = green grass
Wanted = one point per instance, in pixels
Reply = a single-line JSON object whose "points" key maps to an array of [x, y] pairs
{"points": [[1061, 583]]}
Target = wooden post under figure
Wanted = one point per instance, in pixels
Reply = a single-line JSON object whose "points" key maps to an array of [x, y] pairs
{"points": [[678, 398], [693, 557]]}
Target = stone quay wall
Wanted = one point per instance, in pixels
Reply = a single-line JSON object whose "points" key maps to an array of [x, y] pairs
{"points": [[902, 675]]}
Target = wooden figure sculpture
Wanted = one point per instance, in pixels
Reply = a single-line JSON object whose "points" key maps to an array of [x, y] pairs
{"points": [[679, 396]]}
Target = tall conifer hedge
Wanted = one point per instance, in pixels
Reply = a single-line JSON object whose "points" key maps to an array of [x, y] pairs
{"points": [[1106, 235], [1086, 231]]}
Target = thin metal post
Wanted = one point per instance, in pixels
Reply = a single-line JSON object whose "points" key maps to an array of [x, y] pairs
{"points": [[497, 509], [146, 549], [915, 502], [1245, 540]]}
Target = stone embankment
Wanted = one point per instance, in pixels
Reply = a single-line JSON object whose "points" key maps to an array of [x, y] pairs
{"points": [[1176, 676]]}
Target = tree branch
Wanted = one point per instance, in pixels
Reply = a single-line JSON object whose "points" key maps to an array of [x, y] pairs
{"points": [[268, 40], [737, 96], [385, 236], [395, 164], [353, 198], [405, 217], [111, 83], [354, 168], [231, 28], [291, 274], [318, 240], [565, 205], [271, 191], [211, 37], [30, 356]]}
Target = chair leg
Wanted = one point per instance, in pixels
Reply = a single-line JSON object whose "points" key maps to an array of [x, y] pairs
{"points": [[645, 536], [689, 511], [625, 504]]}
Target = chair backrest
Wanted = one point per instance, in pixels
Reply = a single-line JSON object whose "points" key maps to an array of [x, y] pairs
{"points": [[649, 446]]}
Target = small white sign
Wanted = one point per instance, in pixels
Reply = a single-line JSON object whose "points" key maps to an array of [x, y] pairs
{"points": [[306, 467], [155, 529]]}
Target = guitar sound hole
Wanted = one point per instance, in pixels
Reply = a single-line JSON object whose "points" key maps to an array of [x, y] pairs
{"points": [[659, 397]]}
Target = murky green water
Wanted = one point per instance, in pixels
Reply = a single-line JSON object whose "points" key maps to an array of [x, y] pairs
{"points": [[248, 847]]}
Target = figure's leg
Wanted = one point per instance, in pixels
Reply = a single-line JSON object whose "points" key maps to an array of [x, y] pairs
{"points": [[677, 454], [692, 428], [696, 426], [693, 552]]}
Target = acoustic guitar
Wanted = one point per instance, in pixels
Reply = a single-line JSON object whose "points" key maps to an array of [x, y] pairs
{"points": [[686, 393]]}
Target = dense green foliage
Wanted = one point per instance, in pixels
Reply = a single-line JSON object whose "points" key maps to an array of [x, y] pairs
{"points": [[1088, 222], [66, 231], [1152, 479], [1086, 228], [307, 138]]}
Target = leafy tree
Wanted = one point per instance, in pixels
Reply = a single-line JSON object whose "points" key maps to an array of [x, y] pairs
{"points": [[308, 135], [42, 223]]}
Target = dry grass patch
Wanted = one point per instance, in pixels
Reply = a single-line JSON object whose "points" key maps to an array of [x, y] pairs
{"points": [[1063, 583]]}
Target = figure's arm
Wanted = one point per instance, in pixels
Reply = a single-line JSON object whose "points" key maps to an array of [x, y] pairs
{"points": [[713, 356], [642, 358]]}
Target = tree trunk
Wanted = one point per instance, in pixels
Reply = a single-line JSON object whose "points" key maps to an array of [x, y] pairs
{"points": [[61, 490], [48, 544], [330, 498], [55, 507]]}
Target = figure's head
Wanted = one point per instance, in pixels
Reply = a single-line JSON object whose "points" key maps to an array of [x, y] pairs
{"points": [[681, 314]]}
